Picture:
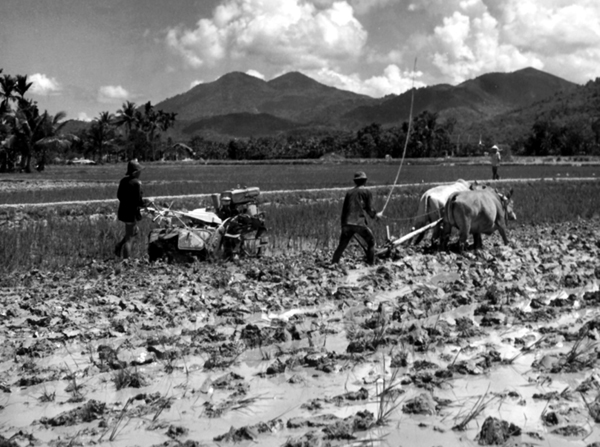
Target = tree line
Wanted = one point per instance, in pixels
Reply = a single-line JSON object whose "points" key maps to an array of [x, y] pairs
{"points": [[561, 138], [428, 137]]}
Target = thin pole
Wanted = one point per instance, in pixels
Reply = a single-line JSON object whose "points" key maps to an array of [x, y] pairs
{"points": [[412, 101]]}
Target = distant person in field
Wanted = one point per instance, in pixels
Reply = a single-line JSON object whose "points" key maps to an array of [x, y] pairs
{"points": [[357, 206], [495, 158], [130, 203]]}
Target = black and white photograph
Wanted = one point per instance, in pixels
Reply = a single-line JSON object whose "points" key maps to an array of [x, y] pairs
{"points": [[298, 223]]}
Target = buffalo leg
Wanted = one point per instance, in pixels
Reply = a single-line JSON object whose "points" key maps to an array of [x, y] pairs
{"points": [[445, 235], [478, 242], [502, 232], [464, 235], [418, 238], [436, 234]]}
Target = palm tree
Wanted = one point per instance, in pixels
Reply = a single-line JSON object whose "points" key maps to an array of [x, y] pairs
{"points": [[100, 133], [24, 130], [33, 132], [128, 116], [149, 123], [21, 85], [51, 137], [7, 87], [166, 120]]}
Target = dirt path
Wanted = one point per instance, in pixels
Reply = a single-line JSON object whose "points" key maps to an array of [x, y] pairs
{"points": [[267, 193]]}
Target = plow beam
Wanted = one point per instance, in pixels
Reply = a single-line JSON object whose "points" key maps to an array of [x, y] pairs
{"points": [[407, 237], [414, 233]]}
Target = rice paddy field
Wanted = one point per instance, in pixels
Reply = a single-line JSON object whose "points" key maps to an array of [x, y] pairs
{"points": [[68, 183], [302, 202], [427, 348]]}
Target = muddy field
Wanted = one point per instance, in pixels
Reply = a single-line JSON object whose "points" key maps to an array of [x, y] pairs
{"points": [[427, 349]]}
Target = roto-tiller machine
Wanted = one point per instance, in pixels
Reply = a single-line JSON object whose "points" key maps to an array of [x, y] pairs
{"points": [[233, 227]]}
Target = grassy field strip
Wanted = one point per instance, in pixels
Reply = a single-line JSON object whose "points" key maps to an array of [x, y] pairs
{"points": [[288, 191]]}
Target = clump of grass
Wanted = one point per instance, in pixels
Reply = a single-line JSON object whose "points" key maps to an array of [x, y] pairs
{"points": [[115, 431], [125, 378], [367, 335], [74, 387], [524, 350], [478, 407], [47, 396], [580, 353], [388, 396], [162, 404]]}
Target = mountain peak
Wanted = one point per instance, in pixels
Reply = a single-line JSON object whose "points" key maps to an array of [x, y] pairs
{"points": [[293, 80], [238, 76]]}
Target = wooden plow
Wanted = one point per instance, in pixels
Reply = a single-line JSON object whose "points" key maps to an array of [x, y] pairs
{"points": [[393, 243]]}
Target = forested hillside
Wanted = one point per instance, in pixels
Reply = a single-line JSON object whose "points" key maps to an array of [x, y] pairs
{"points": [[565, 123]]}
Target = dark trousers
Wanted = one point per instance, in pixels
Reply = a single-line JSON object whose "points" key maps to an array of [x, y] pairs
{"points": [[360, 230], [123, 248], [495, 175]]}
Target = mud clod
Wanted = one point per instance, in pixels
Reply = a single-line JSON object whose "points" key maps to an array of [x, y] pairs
{"points": [[496, 432]]}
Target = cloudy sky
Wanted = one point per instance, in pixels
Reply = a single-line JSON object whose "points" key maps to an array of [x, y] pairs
{"points": [[88, 56]]}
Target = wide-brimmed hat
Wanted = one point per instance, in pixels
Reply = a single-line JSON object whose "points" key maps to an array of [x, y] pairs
{"points": [[133, 166], [360, 175], [496, 148]]}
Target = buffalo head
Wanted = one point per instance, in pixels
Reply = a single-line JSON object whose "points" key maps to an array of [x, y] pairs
{"points": [[508, 205], [475, 185]]}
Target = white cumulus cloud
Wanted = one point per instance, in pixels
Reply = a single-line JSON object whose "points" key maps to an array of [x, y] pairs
{"points": [[552, 26], [256, 74], [564, 34], [112, 94], [82, 116], [392, 80], [472, 37], [44, 85], [292, 33], [360, 6], [470, 42]]}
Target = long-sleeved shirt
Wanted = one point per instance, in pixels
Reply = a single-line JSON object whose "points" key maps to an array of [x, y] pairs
{"points": [[130, 199], [495, 157], [357, 205]]}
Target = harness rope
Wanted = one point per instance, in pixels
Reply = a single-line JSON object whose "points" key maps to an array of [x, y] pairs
{"points": [[412, 100]]}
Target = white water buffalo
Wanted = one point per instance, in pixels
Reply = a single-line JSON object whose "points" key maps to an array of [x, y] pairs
{"points": [[431, 206], [476, 212]]}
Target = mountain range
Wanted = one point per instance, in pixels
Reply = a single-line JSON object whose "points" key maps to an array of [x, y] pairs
{"points": [[501, 106], [240, 105]]}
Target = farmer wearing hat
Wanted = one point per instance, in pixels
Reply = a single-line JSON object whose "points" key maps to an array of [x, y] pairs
{"points": [[357, 205], [495, 158], [130, 202]]}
